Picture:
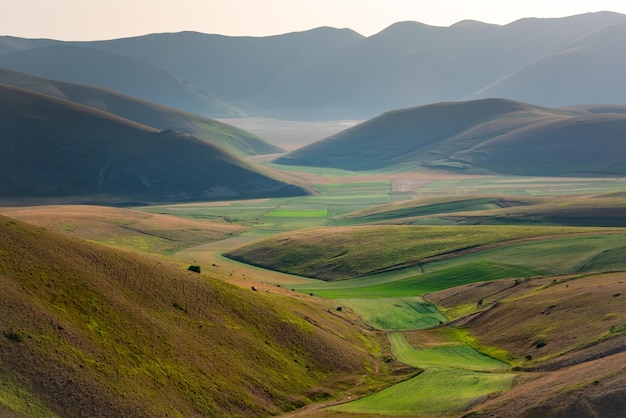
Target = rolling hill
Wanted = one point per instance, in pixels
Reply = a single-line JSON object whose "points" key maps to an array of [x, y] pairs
{"points": [[607, 210], [570, 366], [489, 135], [114, 71], [339, 253], [93, 331], [338, 74], [126, 228], [157, 116], [53, 148]]}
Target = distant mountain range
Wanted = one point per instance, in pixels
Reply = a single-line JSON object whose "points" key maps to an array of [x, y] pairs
{"points": [[481, 136], [333, 73], [56, 149]]}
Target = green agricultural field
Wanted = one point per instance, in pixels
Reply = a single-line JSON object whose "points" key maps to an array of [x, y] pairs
{"points": [[455, 377], [414, 208], [339, 253], [519, 186], [415, 283], [244, 215], [298, 213], [396, 314], [439, 392], [565, 255], [455, 356]]}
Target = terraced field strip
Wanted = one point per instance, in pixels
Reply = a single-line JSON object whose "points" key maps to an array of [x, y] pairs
{"points": [[298, 213], [552, 256], [455, 376], [395, 314], [455, 355], [416, 283], [437, 391], [516, 185]]}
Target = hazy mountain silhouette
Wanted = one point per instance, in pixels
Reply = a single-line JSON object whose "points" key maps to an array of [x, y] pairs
{"points": [[148, 113], [328, 72], [589, 69], [115, 71], [232, 68]]}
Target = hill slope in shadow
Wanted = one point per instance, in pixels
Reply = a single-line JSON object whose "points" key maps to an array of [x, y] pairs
{"points": [[490, 135], [115, 71], [148, 113], [54, 148]]}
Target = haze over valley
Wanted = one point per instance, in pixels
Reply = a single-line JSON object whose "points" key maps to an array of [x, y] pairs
{"points": [[424, 220]]}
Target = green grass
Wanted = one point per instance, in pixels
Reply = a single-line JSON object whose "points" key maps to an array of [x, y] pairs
{"points": [[518, 186], [434, 392], [416, 284], [14, 397], [454, 378], [396, 314], [552, 256], [298, 213], [244, 215], [456, 356], [416, 208], [338, 253], [147, 338]]}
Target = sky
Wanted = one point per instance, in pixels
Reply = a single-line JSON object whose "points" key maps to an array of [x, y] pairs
{"points": [[108, 19]]}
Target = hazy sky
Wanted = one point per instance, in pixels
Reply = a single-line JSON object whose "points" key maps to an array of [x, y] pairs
{"points": [[105, 19]]}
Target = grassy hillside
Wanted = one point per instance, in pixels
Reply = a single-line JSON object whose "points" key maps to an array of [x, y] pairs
{"points": [[491, 135], [148, 113], [337, 253], [578, 210], [573, 364], [55, 148], [132, 229], [91, 331]]}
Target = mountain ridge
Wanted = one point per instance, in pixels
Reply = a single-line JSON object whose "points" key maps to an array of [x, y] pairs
{"points": [[337, 73]]}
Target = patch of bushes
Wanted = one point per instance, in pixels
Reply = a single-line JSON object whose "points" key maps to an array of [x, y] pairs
{"points": [[195, 269], [14, 336]]}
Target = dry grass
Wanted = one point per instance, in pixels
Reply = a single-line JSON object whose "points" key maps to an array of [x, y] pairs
{"points": [[124, 227], [546, 322], [93, 331], [567, 336]]}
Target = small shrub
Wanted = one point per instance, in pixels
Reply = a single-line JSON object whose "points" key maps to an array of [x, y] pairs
{"points": [[195, 269], [540, 343], [14, 336], [529, 357], [339, 308], [179, 306]]}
